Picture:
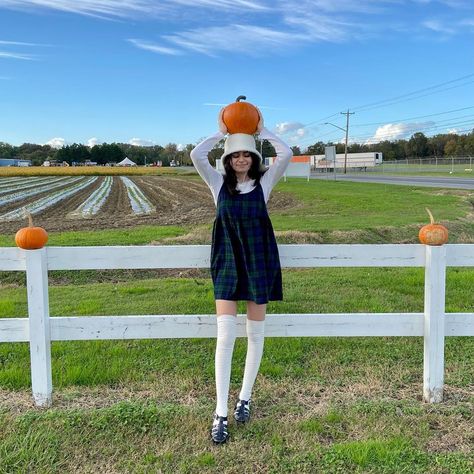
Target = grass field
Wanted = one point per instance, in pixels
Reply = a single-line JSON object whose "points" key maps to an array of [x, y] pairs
{"points": [[335, 405]]}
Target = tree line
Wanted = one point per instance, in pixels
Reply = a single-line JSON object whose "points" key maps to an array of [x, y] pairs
{"points": [[418, 146]]}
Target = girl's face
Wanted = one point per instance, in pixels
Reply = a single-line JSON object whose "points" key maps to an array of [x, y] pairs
{"points": [[241, 161]]}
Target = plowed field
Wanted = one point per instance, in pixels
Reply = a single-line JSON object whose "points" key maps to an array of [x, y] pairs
{"points": [[178, 201]]}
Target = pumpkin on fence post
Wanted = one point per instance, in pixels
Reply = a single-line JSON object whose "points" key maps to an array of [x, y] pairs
{"points": [[433, 233], [31, 237], [241, 117]]}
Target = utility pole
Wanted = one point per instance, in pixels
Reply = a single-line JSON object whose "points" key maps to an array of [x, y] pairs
{"points": [[347, 137]]}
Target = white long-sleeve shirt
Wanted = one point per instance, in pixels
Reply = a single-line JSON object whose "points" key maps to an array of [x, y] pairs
{"points": [[214, 179]]}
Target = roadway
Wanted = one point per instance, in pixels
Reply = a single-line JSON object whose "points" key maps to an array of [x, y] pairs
{"points": [[429, 181]]}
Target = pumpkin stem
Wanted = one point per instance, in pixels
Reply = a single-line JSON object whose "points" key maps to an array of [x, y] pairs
{"points": [[431, 215], [241, 97], [30, 219]]}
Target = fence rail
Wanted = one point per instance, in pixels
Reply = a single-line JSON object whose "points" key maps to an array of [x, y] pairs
{"points": [[39, 329]]}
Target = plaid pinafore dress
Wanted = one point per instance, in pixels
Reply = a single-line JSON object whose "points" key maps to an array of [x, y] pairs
{"points": [[245, 264]]}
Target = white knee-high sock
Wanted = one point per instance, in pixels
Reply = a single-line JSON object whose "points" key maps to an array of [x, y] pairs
{"points": [[226, 333], [255, 338]]}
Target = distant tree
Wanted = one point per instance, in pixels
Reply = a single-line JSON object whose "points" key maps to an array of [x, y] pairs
{"points": [[169, 153], [267, 149], [357, 148], [186, 155], [75, 153], [417, 145], [296, 150], [450, 147], [99, 154], [6, 150], [437, 143], [114, 153], [216, 152], [316, 149], [469, 144]]}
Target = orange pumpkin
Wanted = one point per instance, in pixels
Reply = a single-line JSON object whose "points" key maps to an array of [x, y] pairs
{"points": [[241, 117], [432, 233], [31, 237]]}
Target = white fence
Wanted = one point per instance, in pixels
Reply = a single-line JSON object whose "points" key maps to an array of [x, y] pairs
{"points": [[39, 329]]}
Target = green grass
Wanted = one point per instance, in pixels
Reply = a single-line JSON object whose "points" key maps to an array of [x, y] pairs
{"points": [[138, 235], [325, 290], [329, 405], [346, 206], [166, 436]]}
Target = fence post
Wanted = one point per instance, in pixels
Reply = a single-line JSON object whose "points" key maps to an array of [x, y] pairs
{"points": [[40, 335], [434, 323]]}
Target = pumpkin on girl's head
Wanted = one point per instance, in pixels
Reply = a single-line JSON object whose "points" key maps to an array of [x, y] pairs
{"points": [[241, 117], [432, 233], [31, 238]]}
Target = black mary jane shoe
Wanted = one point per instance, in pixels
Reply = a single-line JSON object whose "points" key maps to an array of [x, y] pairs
{"points": [[219, 431], [242, 411]]}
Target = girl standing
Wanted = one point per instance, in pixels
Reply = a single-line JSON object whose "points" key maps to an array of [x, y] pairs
{"points": [[245, 264]]}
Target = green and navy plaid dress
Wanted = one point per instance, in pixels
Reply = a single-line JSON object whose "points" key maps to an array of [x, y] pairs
{"points": [[245, 264]]}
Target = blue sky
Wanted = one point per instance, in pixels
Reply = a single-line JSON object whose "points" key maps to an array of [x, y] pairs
{"points": [[152, 72]]}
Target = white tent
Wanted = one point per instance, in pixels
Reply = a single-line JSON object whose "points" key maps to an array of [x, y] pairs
{"points": [[126, 162]]}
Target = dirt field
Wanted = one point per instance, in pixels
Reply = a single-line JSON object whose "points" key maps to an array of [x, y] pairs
{"points": [[178, 201]]}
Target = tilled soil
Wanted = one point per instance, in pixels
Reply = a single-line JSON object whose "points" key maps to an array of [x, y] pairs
{"points": [[178, 201]]}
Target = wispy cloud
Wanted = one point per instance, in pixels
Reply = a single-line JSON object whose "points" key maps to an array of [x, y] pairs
{"points": [[248, 39], [285, 127], [130, 8], [252, 27], [92, 142], [154, 48], [56, 142], [10, 55], [394, 131], [20, 43], [13, 52], [140, 142], [295, 23], [439, 26]]}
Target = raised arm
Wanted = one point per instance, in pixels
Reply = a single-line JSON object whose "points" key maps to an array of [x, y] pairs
{"points": [[277, 169], [199, 157]]}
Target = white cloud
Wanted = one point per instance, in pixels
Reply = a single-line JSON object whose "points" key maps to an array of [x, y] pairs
{"points": [[140, 142], [18, 43], [453, 131], [285, 127], [10, 55], [92, 142], [438, 27], [107, 9], [293, 22], [56, 142], [395, 131], [180, 147], [247, 39], [154, 48]]}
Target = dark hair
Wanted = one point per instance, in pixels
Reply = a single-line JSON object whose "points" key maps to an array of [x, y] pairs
{"points": [[255, 172]]}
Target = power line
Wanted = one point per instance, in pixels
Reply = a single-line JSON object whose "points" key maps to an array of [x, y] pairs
{"points": [[415, 98], [365, 106], [412, 118], [389, 135], [414, 130], [394, 100]]}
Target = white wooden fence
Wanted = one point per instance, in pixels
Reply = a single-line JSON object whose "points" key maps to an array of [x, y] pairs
{"points": [[39, 329]]}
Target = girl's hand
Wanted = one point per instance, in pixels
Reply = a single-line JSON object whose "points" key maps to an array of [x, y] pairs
{"points": [[220, 122]]}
